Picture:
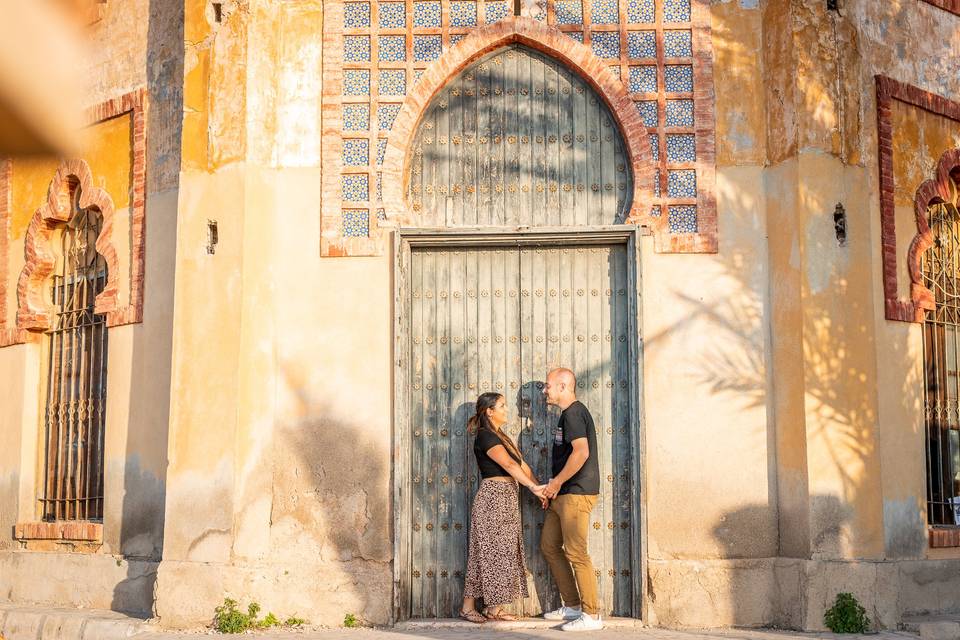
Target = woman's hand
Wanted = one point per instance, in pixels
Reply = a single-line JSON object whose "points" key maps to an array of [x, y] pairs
{"points": [[538, 490]]}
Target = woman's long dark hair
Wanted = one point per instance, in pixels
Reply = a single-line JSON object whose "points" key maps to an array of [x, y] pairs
{"points": [[481, 420]]}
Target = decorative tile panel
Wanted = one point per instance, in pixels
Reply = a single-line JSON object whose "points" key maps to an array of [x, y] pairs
{"points": [[463, 14], [391, 49], [642, 44], [392, 82], [643, 79], [381, 150], [656, 183], [655, 146], [682, 183], [356, 223], [356, 152], [677, 44], [576, 35], [356, 82], [681, 147], [604, 12], [386, 114], [676, 10], [495, 11], [682, 218], [678, 78], [426, 48], [648, 111], [569, 11], [355, 187], [655, 211], [641, 11], [456, 37], [392, 15], [356, 48], [356, 117], [606, 44], [356, 15], [426, 14], [679, 113]]}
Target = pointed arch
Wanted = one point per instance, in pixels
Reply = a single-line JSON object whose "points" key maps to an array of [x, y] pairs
{"points": [[552, 42]]}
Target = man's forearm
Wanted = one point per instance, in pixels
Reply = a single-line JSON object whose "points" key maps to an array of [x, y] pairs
{"points": [[574, 463]]}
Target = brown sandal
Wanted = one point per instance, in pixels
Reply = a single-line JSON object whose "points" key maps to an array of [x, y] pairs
{"points": [[473, 616], [499, 615]]}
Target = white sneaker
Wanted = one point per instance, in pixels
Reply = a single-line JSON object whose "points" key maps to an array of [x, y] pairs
{"points": [[563, 613], [585, 622]]}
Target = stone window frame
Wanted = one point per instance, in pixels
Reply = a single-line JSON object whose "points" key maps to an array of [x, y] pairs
{"points": [[888, 89], [31, 320], [549, 39]]}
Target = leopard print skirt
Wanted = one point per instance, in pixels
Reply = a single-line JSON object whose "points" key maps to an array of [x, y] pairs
{"points": [[496, 570]]}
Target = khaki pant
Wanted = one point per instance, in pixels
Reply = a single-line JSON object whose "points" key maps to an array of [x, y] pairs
{"points": [[564, 545]]}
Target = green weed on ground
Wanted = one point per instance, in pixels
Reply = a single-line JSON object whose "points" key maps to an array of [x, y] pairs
{"points": [[228, 618], [846, 615]]}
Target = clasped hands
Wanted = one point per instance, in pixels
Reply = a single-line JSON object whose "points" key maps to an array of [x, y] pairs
{"points": [[547, 492]]}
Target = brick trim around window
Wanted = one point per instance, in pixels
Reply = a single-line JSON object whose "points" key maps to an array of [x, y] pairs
{"points": [[30, 318], [888, 90]]}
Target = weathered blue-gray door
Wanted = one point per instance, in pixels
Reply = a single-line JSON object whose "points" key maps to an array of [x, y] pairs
{"points": [[515, 140]]}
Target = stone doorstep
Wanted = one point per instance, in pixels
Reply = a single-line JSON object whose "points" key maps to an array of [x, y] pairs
{"points": [[933, 627], [38, 623], [523, 623]]}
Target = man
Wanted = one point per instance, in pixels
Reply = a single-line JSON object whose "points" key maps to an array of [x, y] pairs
{"points": [[573, 492]]}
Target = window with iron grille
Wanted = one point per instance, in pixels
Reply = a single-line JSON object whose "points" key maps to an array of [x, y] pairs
{"points": [[76, 378], [941, 332]]}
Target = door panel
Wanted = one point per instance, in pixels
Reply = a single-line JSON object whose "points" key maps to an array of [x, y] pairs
{"points": [[497, 320]]}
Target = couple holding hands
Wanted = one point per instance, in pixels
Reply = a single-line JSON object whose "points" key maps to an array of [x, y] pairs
{"points": [[496, 570]]}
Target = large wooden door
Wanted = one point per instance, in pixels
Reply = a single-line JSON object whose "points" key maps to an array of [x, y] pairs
{"points": [[497, 319]]}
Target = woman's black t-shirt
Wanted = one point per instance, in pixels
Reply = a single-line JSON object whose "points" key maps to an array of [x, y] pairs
{"points": [[485, 441]]}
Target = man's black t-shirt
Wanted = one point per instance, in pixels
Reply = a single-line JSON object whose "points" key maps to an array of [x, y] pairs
{"points": [[485, 441], [576, 422]]}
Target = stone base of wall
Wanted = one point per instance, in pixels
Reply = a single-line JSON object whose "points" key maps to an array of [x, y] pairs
{"points": [[793, 593], [321, 592], [89, 581]]}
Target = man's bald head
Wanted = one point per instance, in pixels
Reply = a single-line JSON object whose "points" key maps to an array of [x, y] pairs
{"points": [[561, 387]]}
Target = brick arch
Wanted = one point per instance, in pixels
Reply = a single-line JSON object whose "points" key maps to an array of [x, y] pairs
{"points": [[552, 42], [34, 312], [943, 187]]}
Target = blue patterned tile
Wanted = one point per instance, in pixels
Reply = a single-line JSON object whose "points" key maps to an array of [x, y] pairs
{"points": [[392, 15], [356, 223], [417, 74], [379, 187], [677, 44], [426, 14], [604, 12], [655, 146], [606, 44], [456, 37], [655, 211], [676, 10], [391, 48], [495, 11], [356, 48], [355, 187], [426, 48], [356, 15], [682, 183], [615, 70], [681, 147], [656, 183], [381, 150], [392, 82], [643, 79], [641, 11], [463, 14], [679, 113], [386, 114], [648, 111], [682, 218], [356, 117], [568, 11], [678, 77], [356, 82], [576, 35], [642, 44], [356, 153], [381, 215]]}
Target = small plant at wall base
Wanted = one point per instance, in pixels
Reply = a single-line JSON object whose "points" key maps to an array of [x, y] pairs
{"points": [[229, 619], [350, 621], [846, 615]]}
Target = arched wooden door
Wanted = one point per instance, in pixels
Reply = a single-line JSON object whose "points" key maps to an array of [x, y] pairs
{"points": [[516, 140]]}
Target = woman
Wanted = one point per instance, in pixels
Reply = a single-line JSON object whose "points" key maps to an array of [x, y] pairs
{"points": [[496, 570]]}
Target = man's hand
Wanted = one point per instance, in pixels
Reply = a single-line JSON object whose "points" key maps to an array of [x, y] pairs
{"points": [[537, 490], [544, 502], [552, 488]]}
